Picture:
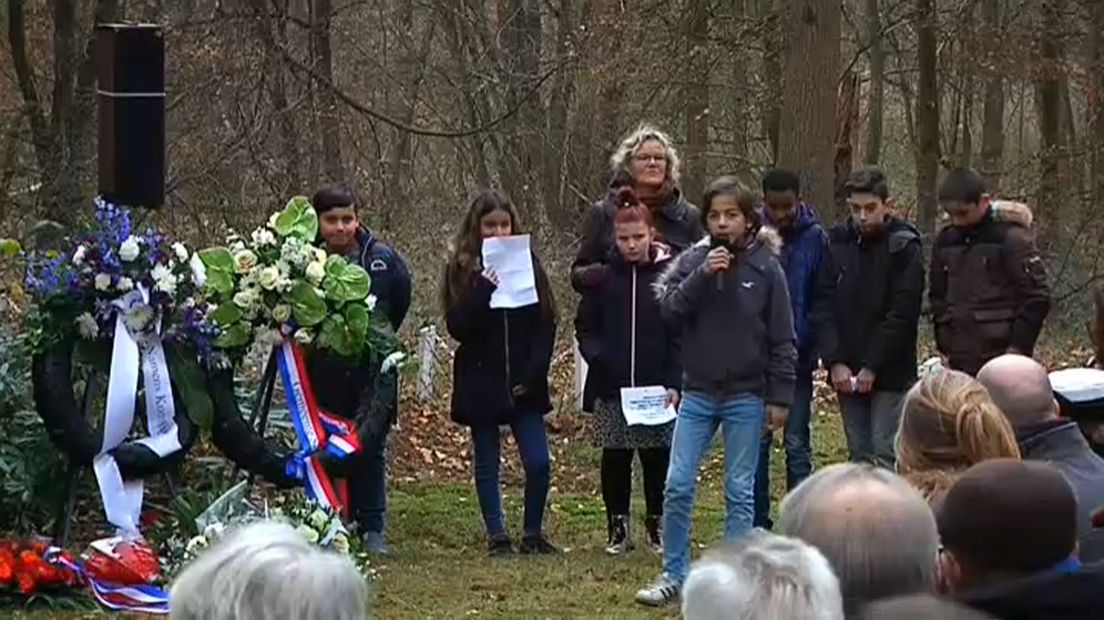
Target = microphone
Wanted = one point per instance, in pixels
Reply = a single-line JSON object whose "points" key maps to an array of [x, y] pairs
{"points": [[719, 243], [720, 281]]}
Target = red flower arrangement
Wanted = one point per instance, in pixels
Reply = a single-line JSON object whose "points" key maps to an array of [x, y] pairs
{"points": [[23, 566]]}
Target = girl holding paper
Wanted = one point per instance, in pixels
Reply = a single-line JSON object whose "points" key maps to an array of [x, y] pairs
{"points": [[626, 345], [500, 372], [727, 296]]}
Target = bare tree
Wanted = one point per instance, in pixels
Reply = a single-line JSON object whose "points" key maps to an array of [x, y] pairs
{"points": [[697, 96], [1048, 97], [927, 116], [809, 84], [992, 129], [876, 99]]}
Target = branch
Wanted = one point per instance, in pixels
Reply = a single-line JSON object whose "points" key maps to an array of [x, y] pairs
{"points": [[32, 105], [397, 124]]}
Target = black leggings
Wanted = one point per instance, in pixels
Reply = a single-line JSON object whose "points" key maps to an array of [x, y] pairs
{"points": [[617, 478]]}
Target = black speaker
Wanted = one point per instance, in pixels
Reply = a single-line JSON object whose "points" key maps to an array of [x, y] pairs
{"points": [[130, 73]]}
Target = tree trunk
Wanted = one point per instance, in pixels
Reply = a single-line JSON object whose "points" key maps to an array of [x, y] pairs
{"points": [[556, 145], [771, 40], [992, 124], [806, 136], [738, 106], [412, 63], [1048, 97], [847, 117], [329, 122], [876, 101], [606, 22], [1095, 108], [696, 97], [927, 117]]}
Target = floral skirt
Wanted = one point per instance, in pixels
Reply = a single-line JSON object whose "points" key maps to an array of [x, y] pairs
{"points": [[611, 431]]}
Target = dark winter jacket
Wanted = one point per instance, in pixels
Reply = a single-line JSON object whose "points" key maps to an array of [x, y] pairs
{"points": [[988, 292], [499, 350], [869, 297], [678, 223], [1060, 443], [803, 245], [736, 327], [621, 333], [345, 388], [1054, 595]]}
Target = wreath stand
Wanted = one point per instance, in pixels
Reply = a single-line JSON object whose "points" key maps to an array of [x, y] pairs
{"points": [[73, 472], [262, 401]]}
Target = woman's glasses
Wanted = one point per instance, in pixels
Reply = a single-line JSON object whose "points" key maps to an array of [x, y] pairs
{"points": [[650, 159]]}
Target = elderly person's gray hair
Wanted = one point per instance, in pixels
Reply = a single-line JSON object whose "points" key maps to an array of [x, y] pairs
{"points": [[621, 160], [267, 571], [876, 530], [762, 577]]}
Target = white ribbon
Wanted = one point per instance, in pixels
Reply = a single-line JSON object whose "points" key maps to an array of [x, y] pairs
{"points": [[134, 346]]}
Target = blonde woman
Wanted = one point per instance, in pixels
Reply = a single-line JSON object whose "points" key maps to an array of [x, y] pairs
{"points": [[949, 423], [647, 161]]}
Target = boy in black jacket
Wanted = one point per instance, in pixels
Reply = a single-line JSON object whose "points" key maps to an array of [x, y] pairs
{"points": [[871, 287], [349, 390]]}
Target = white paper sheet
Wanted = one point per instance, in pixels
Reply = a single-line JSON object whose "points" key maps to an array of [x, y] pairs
{"points": [[512, 260], [646, 405]]}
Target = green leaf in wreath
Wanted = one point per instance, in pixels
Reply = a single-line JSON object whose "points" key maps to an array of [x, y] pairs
{"points": [[222, 283], [298, 219], [306, 306], [356, 319], [217, 260], [335, 335], [227, 314], [190, 384], [345, 282], [237, 335]]}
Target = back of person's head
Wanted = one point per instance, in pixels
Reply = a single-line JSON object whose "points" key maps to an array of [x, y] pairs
{"points": [[267, 571], [920, 607], [949, 423], [762, 577], [334, 197], [877, 532], [1020, 388], [1006, 518]]}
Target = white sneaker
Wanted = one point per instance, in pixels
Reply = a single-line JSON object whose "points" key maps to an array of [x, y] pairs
{"points": [[662, 592]]}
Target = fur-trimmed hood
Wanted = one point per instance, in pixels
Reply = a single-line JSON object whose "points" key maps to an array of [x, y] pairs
{"points": [[1012, 212], [766, 244]]}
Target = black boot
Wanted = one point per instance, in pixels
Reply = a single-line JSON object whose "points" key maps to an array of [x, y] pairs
{"points": [[653, 530], [620, 539]]}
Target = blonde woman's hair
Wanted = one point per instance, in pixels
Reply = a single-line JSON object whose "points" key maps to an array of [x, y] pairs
{"points": [[622, 157], [949, 423]]}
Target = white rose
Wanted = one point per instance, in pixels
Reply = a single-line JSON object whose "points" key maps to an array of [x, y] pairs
{"points": [[129, 249], [263, 237], [341, 544], [308, 534], [320, 255], [214, 531], [284, 284], [304, 336], [78, 255], [195, 545], [318, 519], [245, 299], [268, 278], [244, 261], [87, 326], [315, 272], [199, 271], [180, 251], [281, 313], [102, 281], [272, 220], [124, 284], [370, 301]]}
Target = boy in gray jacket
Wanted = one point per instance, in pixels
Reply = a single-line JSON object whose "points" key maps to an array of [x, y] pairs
{"points": [[727, 296]]}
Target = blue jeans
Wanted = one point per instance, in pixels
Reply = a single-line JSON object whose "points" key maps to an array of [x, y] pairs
{"points": [[532, 442], [367, 480], [741, 419], [799, 451]]}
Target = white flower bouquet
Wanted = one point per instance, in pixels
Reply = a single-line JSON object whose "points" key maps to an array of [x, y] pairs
{"points": [[278, 284]]}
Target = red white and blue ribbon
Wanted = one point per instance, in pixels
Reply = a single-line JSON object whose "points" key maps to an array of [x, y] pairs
{"points": [[317, 430], [143, 599]]}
